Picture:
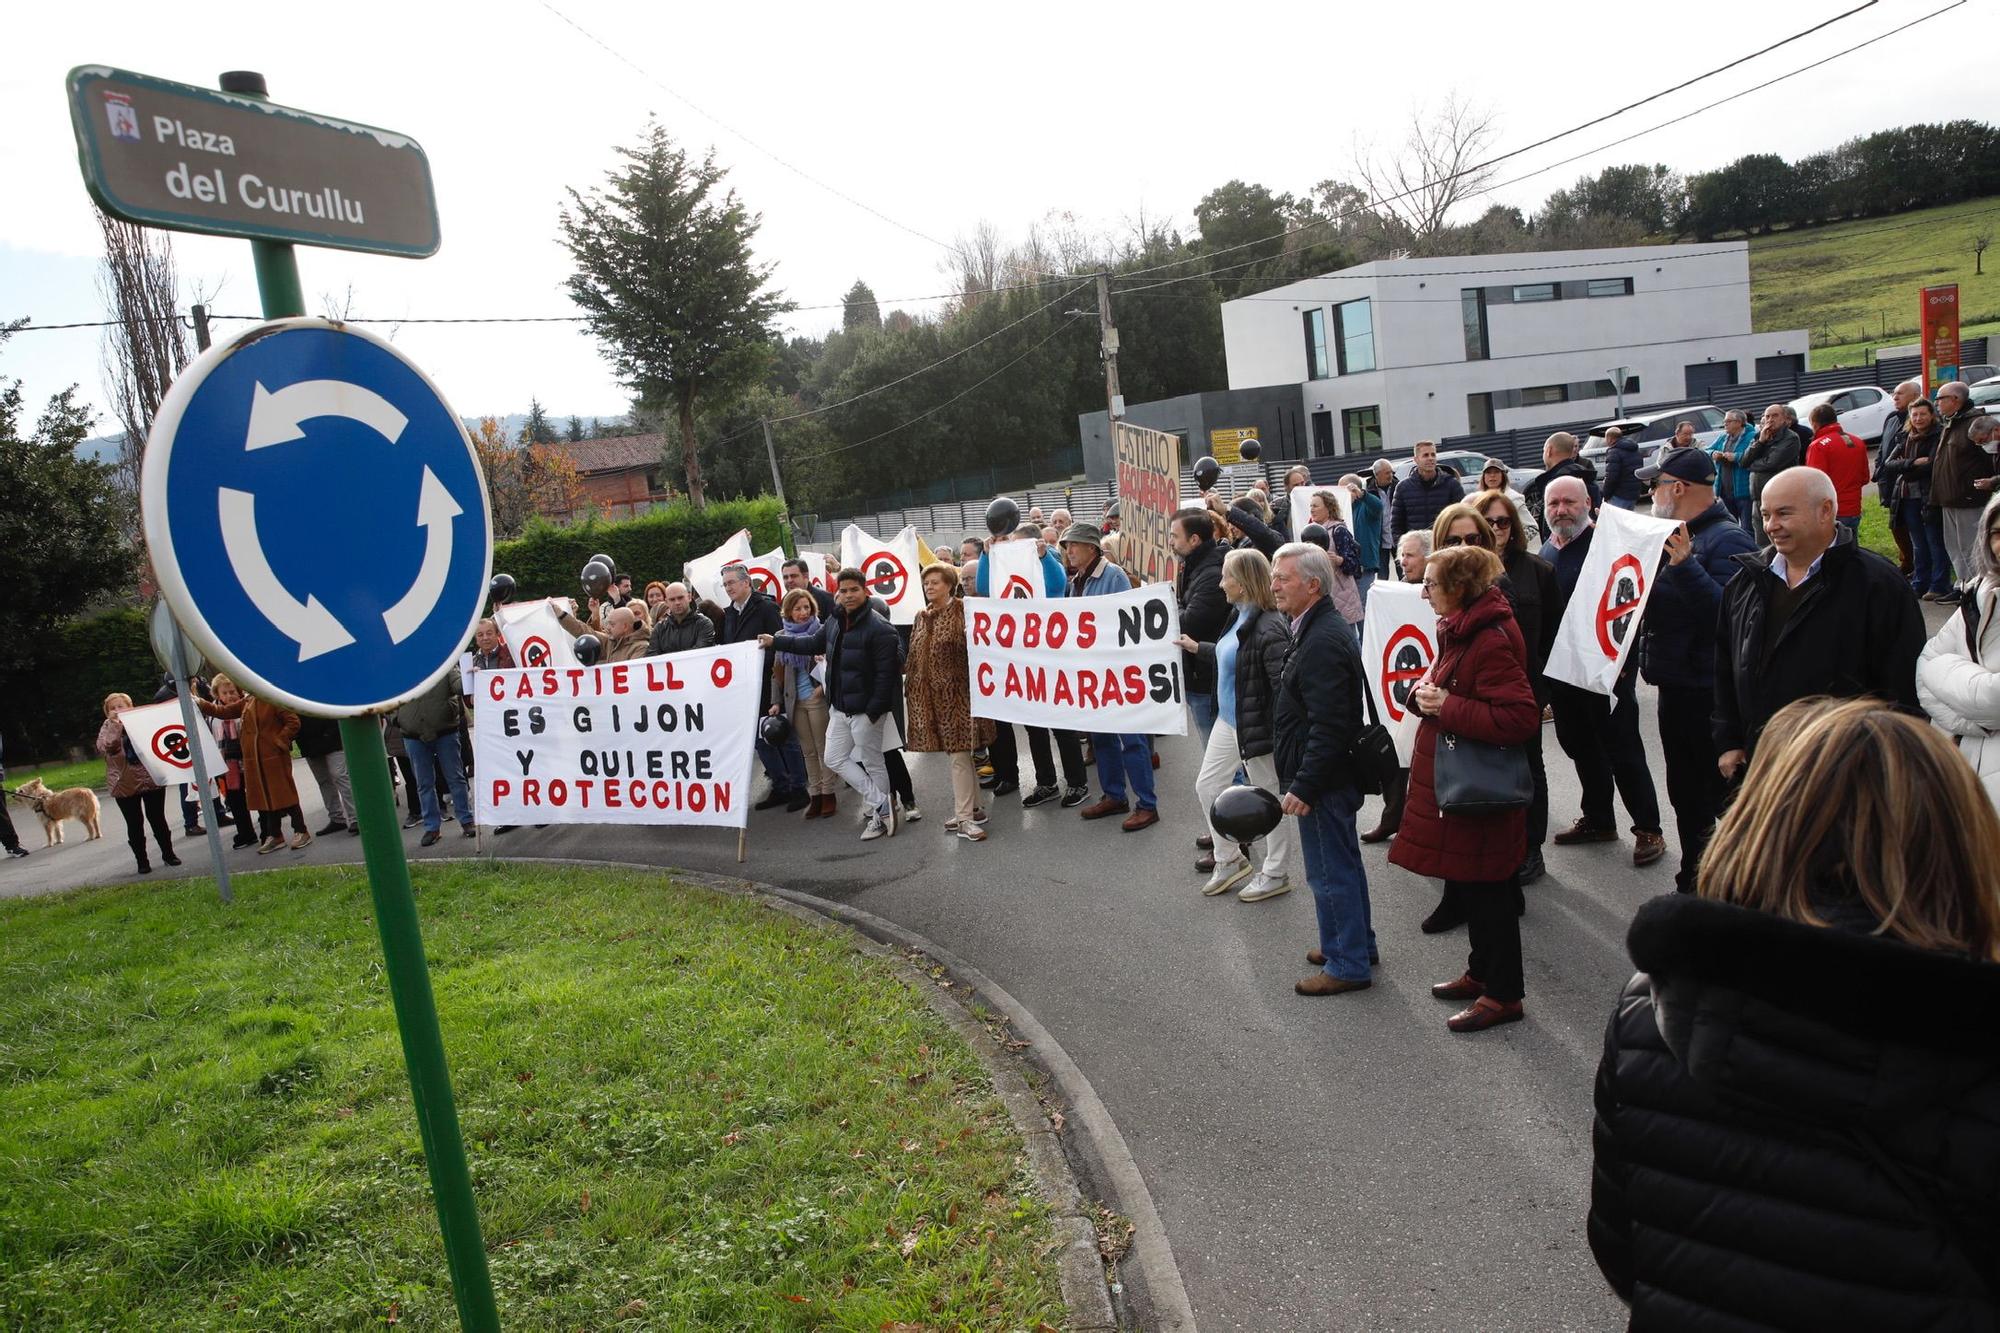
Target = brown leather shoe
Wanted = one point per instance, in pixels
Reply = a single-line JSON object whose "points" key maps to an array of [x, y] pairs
{"points": [[1140, 818], [1465, 988], [1484, 1013], [1380, 833], [813, 807], [1648, 848], [1584, 831], [1315, 957], [1319, 983], [829, 807], [1104, 807]]}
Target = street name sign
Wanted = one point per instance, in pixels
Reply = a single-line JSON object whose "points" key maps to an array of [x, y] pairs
{"points": [[174, 155], [317, 518]]}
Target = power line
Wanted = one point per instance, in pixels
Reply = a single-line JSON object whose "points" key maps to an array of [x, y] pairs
{"points": [[1489, 162]]}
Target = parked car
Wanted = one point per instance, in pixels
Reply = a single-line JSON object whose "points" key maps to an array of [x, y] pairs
{"points": [[1863, 409], [1974, 374], [1653, 429], [1986, 393]]}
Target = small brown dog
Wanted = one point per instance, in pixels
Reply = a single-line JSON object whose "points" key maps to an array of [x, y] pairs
{"points": [[54, 807]]}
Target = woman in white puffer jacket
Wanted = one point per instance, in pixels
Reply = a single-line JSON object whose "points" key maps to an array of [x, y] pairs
{"points": [[1958, 675]]}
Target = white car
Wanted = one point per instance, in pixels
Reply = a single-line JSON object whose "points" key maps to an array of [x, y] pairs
{"points": [[1986, 394], [1863, 409], [1653, 429]]}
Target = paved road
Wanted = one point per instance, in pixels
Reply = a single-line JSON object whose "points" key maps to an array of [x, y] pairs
{"points": [[1318, 1163]]}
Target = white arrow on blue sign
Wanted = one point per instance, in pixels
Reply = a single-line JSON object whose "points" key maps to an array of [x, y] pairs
{"points": [[317, 517]]}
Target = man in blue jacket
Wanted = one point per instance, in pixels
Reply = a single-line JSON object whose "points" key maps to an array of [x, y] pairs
{"points": [[1122, 761], [1677, 643], [1423, 495], [1622, 486]]}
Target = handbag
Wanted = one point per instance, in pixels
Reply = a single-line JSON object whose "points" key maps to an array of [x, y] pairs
{"points": [[1479, 778], [1373, 753]]}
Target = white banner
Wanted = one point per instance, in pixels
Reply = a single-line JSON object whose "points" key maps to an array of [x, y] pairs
{"points": [[767, 574], [704, 573], [659, 740], [890, 567], [1106, 664], [1600, 628], [1398, 645], [534, 636], [161, 740], [1014, 570]]}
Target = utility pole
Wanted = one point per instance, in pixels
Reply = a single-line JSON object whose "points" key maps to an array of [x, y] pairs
{"points": [[201, 328], [777, 483], [1114, 401]]}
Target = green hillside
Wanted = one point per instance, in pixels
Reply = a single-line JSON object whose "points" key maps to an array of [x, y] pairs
{"points": [[1855, 282]]}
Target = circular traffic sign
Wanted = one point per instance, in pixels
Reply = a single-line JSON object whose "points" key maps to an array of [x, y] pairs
{"points": [[1618, 605], [1405, 659], [170, 745], [884, 576], [317, 518]]}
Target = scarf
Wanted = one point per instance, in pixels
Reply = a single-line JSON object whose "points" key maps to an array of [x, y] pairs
{"points": [[800, 661]]}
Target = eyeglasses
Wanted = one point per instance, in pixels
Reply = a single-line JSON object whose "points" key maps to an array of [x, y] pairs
{"points": [[1429, 584], [1463, 541], [1499, 521]]}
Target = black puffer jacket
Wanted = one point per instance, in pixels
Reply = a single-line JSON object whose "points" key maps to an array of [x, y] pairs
{"points": [[1538, 610], [1263, 642], [1798, 1128], [694, 630], [1204, 611], [864, 661]]}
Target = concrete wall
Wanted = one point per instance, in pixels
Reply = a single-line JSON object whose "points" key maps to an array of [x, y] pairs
{"points": [[1273, 410]]}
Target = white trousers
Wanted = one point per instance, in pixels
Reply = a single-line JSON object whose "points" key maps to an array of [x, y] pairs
{"points": [[854, 750], [1218, 770]]}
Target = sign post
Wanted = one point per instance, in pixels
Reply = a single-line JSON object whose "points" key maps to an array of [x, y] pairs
{"points": [[183, 690], [1938, 320], [325, 421]]}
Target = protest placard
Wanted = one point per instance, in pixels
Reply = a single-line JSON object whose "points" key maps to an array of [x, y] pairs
{"points": [[657, 740], [1398, 645], [1600, 627], [1300, 500], [767, 574], [1014, 569], [1104, 664], [891, 568], [160, 739], [533, 635], [1149, 494], [704, 573]]}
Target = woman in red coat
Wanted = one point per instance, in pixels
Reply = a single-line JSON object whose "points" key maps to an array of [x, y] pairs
{"points": [[1477, 688]]}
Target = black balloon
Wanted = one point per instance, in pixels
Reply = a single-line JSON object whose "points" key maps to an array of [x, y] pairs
{"points": [[596, 579], [1317, 535], [1244, 814], [1206, 470], [607, 562], [1251, 449], [1002, 517], [501, 589], [775, 729], [588, 649]]}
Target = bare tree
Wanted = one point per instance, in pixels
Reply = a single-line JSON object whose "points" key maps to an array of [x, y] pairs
{"points": [[147, 346], [1433, 171], [974, 264], [1979, 244]]}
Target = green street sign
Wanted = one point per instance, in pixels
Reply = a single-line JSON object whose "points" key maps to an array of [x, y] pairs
{"points": [[174, 155]]}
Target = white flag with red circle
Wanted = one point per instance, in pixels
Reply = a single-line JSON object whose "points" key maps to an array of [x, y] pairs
{"points": [[533, 635], [890, 568], [1398, 645], [160, 738], [1600, 627]]}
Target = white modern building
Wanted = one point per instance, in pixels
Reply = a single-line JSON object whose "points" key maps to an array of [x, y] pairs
{"points": [[1399, 350]]}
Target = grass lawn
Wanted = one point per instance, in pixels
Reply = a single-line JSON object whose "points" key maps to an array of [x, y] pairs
{"points": [[1859, 353], [1875, 528], [1854, 275], [59, 777], [683, 1110]]}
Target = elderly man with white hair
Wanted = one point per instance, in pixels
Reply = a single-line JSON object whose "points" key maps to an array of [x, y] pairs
{"points": [[1812, 614], [1892, 438], [1962, 478]]}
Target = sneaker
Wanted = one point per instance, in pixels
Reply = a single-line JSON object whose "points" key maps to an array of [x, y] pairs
{"points": [[1262, 886], [953, 825], [1039, 796], [302, 838], [470, 830], [871, 828], [972, 833], [413, 821], [988, 777], [333, 826], [911, 813], [1074, 796], [979, 815], [168, 858], [1006, 787], [430, 838], [1950, 597], [270, 844], [17, 851], [1227, 876]]}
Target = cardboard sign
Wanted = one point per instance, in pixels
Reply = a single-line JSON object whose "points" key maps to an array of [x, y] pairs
{"points": [[1600, 627], [659, 740], [1105, 664], [1398, 645], [160, 738], [1149, 494]]}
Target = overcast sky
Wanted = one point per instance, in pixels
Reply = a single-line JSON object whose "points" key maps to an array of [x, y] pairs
{"points": [[938, 116]]}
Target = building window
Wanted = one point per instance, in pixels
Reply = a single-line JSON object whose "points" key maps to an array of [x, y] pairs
{"points": [[1542, 394], [1472, 308], [1538, 291], [1479, 413], [1361, 429], [1317, 365], [1354, 321], [1608, 287]]}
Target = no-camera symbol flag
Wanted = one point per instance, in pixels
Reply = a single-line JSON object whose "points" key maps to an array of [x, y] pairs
{"points": [[1601, 625]]}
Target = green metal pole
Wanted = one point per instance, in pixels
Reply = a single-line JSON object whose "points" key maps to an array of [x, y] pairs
{"points": [[396, 912]]}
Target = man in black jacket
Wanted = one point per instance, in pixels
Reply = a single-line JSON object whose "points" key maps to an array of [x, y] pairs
{"points": [[863, 673], [1318, 718], [682, 628], [1204, 615], [798, 575], [1809, 615], [753, 615], [1423, 495], [1677, 640], [1560, 458]]}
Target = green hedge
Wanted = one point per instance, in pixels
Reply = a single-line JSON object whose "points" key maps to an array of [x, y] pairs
{"points": [[55, 706], [545, 559]]}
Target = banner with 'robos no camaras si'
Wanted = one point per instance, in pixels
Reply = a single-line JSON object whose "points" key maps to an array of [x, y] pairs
{"points": [[1105, 664]]}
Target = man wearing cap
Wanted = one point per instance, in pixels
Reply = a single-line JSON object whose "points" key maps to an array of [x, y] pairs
{"points": [[1123, 762], [1677, 639]]}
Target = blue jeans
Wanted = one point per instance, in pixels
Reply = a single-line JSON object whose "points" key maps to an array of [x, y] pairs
{"points": [[1362, 583], [1619, 504], [1203, 707], [784, 764], [1339, 884], [428, 759], [1932, 566], [1123, 759]]}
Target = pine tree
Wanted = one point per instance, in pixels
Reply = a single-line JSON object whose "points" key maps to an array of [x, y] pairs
{"points": [[859, 308], [575, 430], [536, 429]]}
